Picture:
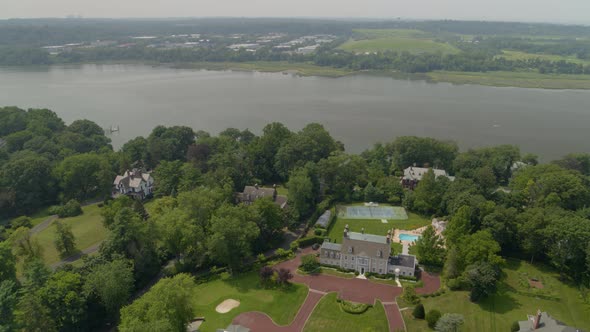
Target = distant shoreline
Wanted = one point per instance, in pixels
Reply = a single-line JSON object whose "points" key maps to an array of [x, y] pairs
{"points": [[493, 78]]}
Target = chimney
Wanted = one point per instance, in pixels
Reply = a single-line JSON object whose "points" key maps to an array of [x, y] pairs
{"points": [[256, 186], [388, 238], [346, 230], [363, 230], [537, 321]]}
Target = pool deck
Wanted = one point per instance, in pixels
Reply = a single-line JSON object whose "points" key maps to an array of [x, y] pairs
{"points": [[406, 243]]}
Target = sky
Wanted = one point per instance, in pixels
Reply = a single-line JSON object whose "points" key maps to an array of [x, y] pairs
{"points": [[556, 11]]}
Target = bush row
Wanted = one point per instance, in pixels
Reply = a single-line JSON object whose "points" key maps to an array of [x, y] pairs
{"points": [[307, 241], [435, 294], [352, 307], [71, 209]]}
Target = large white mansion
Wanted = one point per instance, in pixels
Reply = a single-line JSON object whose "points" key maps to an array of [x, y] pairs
{"points": [[367, 253]]}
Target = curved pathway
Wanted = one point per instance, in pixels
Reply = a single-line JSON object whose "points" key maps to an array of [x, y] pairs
{"points": [[356, 290], [93, 248], [44, 224]]}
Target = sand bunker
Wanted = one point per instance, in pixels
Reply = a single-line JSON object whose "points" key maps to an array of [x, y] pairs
{"points": [[226, 306]]}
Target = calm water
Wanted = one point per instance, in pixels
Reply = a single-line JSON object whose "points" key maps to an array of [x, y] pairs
{"points": [[358, 110]]}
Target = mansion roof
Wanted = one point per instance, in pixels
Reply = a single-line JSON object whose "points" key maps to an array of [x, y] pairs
{"points": [[367, 237], [403, 260]]}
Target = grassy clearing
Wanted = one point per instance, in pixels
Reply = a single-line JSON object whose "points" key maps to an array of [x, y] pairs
{"points": [[380, 40], [514, 300], [516, 55], [513, 79], [302, 69], [87, 228], [327, 316], [281, 305]]}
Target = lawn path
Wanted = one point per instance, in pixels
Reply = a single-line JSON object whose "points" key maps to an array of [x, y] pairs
{"points": [[44, 224], [92, 249]]}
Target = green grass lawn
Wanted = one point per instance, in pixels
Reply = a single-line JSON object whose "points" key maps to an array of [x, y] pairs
{"points": [[336, 273], [513, 79], [517, 55], [87, 228], [375, 226], [327, 316], [514, 301], [281, 305], [380, 40]]}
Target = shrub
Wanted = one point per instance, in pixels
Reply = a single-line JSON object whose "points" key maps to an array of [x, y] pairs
{"points": [[282, 252], [308, 241], [456, 284], [432, 316], [410, 296], [294, 246], [22, 221], [283, 276], [354, 308], [419, 311], [319, 232], [515, 327], [309, 263], [71, 209], [261, 258], [356, 273], [265, 274]]}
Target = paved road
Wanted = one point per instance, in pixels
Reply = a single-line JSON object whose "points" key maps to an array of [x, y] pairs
{"points": [[75, 257], [356, 290], [44, 224]]}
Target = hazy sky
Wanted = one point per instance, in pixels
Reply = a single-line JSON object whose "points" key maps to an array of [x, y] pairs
{"points": [[568, 11]]}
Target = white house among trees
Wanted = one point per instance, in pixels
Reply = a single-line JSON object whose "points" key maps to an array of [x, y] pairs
{"points": [[134, 183]]}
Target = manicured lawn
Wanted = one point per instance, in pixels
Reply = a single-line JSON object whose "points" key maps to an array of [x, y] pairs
{"points": [[375, 226], [514, 301], [336, 273], [87, 228], [379, 40], [327, 316], [513, 79], [281, 305]]}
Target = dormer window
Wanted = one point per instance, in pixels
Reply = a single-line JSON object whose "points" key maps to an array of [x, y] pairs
{"points": [[350, 250], [379, 253]]}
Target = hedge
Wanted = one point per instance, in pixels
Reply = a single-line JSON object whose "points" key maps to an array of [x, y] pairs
{"points": [[353, 308], [308, 241]]}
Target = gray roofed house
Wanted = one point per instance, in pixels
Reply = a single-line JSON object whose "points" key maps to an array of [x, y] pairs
{"points": [[413, 175], [542, 322], [366, 253], [324, 219], [331, 246], [252, 193], [367, 237], [403, 260], [134, 183]]}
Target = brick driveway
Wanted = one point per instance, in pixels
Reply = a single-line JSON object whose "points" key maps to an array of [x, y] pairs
{"points": [[356, 290]]}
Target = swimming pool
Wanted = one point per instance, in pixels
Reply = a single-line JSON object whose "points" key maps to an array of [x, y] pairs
{"points": [[408, 237]]}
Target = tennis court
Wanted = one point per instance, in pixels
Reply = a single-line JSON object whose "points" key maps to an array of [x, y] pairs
{"points": [[375, 212]]}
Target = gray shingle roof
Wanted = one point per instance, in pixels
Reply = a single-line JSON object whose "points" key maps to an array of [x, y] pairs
{"points": [[324, 219], [367, 237], [331, 246], [403, 260]]}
